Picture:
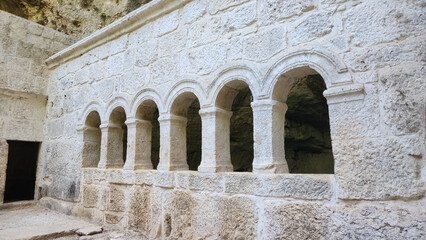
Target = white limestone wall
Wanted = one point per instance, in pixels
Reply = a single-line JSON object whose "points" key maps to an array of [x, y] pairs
{"points": [[24, 46], [370, 53]]}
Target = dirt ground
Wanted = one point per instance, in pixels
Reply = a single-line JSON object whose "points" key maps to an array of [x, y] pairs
{"points": [[31, 221]]}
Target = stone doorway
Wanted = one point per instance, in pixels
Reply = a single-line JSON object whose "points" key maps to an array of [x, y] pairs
{"points": [[21, 171]]}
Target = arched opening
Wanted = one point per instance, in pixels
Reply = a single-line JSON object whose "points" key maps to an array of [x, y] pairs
{"points": [[91, 140], [188, 106], [147, 136], [236, 97], [307, 141], [117, 138]]}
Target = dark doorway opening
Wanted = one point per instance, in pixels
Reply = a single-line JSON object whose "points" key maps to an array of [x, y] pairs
{"points": [[21, 171]]}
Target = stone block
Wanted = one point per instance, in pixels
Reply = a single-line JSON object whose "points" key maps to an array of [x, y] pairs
{"points": [[114, 64], [7, 45], [140, 208], [378, 169], [192, 11], [182, 179], [287, 220], [377, 222], [384, 21], [208, 58], [298, 186], [144, 177], [262, 46], [140, 35], [116, 198], [380, 56], [118, 45], [163, 70], [172, 43], [131, 82], [245, 183], [90, 196], [178, 218], [166, 24], [97, 71], [240, 17], [145, 53], [205, 182], [356, 119], [218, 5], [113, 218], [402, 90], [205, 30], [272, 11], [164, 179], [313, 27]]}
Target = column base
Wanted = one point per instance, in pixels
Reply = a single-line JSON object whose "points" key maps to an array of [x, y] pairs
{"points": [[270, 167], [183, 167], [215, 169]]}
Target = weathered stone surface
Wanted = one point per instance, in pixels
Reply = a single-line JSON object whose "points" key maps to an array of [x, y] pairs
{"points": [[298, 186], [90, 196], [287, 220], [389, 21], [264, 45], [370, 58], [314, 26], [192, 11], [272, 11], [402, 91], [243, 183], [140, 208], [378, 169], [116, 201], [239, 18], [377, 222]]}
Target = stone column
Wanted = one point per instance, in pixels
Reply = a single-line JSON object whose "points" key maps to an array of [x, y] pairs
{"points": [[216, 152], [172, 142], [268, 134], [4, 150], [111, 146], [139, 134]]}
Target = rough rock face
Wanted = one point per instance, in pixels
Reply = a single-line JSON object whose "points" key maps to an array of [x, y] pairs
{"points": [[307, 128], [74, 17]]}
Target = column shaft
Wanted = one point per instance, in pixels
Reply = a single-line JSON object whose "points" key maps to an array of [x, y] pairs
{"points": [[268, 134], [172, 142], [216, 155]]}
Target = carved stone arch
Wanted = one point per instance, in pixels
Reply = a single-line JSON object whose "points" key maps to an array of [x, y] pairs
{"points": [[302, 62], [92, 106], [242, 71], [118, 101], [190, 86], [143, 95]]}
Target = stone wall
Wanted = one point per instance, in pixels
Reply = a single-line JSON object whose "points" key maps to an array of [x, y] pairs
{"points": [[24, 46], [371, 57]]}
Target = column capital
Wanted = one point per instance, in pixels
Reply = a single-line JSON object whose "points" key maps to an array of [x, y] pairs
{"points": [[214, 110], [134, 121], [171, 117], [108, 125], [268, 104]]}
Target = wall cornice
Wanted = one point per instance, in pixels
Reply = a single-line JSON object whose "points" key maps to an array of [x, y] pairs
{"points": [[126, 24]]}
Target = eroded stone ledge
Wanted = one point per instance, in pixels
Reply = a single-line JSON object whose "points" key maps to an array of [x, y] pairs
{"points": [[296, 186]]}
